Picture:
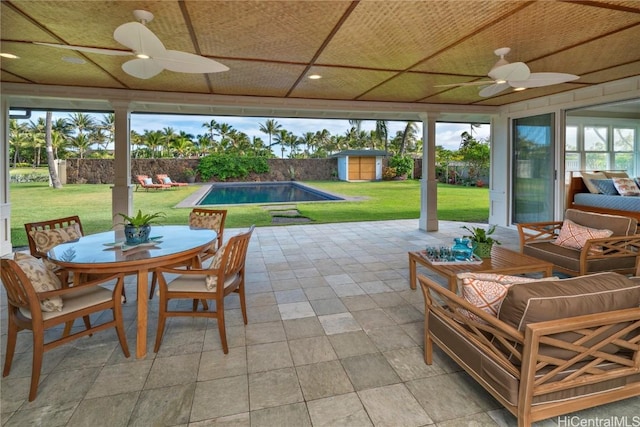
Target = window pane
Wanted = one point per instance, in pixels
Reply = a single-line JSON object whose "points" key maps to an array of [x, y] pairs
{"points": [[597, 161], [595, 138], [623, 161], [623, 139], [571, 163], [571, 139]]}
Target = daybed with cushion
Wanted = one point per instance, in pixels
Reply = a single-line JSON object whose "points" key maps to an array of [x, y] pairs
{"points": [[585, 242], [549, 349], [609, 192]]}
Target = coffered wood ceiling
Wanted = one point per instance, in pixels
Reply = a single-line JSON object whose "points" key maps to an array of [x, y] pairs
{"points": [[367, 50]]}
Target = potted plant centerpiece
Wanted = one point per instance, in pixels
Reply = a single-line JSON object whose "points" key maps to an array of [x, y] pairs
{"points": [[138, 227], [481, 241]]}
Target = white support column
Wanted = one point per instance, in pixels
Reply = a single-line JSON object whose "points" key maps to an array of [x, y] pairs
{"points": [[428, 183], [500, 171], [122, 190], [5, 206]]}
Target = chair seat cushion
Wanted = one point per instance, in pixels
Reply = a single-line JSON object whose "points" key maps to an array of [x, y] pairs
{"points": [[85, 296], [569, 258], [42, 279], [197, 283]]}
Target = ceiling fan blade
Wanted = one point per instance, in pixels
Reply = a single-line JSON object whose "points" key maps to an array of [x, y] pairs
{"points": [[483, 82], [87, 49], [543, 79], [513, 71], [139, 38], [184, 62], [494, 89], [142, 68]]}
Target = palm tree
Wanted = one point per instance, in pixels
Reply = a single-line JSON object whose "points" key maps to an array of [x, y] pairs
{"points": [[281, 138], [153, 139], [61, 132], [53, 174], [271, 128], [212, 126], [18, 138], [408, 136], [82, 143], [307, 140], [382, 131], [168, 135], [36, 138]]}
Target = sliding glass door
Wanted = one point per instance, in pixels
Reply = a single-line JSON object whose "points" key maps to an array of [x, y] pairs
{"points": [[533, 170]]}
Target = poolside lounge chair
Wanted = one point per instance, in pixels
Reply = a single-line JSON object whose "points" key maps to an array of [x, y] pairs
{"points": [[147, 183], [164, 179]]}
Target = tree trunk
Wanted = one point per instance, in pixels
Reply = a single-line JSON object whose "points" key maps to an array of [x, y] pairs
{"points": [[55, 181]]}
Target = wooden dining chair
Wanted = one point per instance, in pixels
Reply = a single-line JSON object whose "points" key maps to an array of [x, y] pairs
{"points": [[38, 310], [225, 275], [213, 219], [44, 235]]}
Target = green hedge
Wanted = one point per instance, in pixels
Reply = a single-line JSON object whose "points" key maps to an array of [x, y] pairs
{"points": [[224, 166]]}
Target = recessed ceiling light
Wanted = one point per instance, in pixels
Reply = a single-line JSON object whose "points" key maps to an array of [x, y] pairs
{"points": [[9, 55], [315, 76], [517, 89], [73, 60]]}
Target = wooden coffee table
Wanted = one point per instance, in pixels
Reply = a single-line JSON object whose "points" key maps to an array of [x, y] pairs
{"points": [[503, 261]]}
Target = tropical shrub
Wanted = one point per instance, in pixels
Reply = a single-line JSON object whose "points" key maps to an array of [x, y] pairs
{"points": [[402, 164], [227, 166], [388, 173]]}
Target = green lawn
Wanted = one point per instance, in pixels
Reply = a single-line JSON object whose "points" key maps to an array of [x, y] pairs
{"points": [[377, 201]]}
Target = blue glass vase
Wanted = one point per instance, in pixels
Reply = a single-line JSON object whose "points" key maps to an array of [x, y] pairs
{"points": [[462, 249]]}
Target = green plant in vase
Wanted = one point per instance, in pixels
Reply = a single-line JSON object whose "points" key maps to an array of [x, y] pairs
{"points": [[482, 243], [138, 227]]}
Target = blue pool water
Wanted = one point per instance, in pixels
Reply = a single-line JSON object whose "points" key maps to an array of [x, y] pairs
{"points": [[262, 192]]}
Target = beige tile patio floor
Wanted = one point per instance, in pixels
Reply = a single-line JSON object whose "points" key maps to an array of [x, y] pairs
{"points": [[334, 339]]}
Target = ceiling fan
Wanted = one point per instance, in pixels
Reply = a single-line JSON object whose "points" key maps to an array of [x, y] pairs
{"points": [[517, 75], [151, 55]]}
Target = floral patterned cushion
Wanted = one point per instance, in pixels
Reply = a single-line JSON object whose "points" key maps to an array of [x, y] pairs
{"points": [[575, 236], [212, 281], [486, 291], [626, 187], [211, 222], [41, 278], [47, 239]]}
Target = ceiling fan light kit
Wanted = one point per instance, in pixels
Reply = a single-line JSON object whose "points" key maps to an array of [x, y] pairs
{"points": [[151, 55], [516, 75]]}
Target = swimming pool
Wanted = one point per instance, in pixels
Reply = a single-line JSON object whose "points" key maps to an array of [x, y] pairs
{"points": [[262, 192]]}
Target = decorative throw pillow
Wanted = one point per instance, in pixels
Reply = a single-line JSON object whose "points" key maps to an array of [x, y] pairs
{"points": [[211, 222], [47, 239], [41, 278], [147, 181], [212, 281], [605, 186], [486, 291], [575, 236], [615, 174], [588, 177], [626, 187], [638, 181], [166, 180]]}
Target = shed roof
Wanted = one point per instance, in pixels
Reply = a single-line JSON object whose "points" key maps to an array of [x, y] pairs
{"points": [[360, 153]]}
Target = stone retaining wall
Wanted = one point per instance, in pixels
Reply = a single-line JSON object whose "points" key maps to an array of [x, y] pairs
{"points": [[101, 171]]}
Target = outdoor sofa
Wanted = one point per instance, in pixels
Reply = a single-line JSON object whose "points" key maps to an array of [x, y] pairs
{"points": [[580, 245], [553, 347]]}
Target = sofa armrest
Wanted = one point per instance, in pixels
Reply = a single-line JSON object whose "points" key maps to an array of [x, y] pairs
{"points": [[609, 248], [592, 363], [538, 231], [495, 338]]}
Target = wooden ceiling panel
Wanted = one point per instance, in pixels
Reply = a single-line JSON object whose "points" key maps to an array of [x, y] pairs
{"points": [[288, 31], [255, 79], [397, 34], [532, 32], [40, 64], [16, 27], [408, 87], [510, 96], [338, 83], [610, 74]]}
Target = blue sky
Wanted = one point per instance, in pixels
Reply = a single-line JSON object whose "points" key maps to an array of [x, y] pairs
{"points": [[447, 134]]}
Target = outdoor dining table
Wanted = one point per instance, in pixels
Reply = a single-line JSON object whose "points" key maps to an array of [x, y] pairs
{"points": [[103, 253]]}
